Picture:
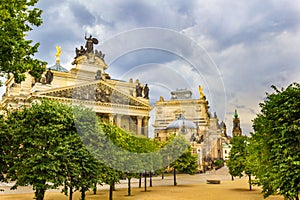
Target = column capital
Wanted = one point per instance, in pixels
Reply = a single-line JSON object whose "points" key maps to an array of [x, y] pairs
{"points": [[139, 117]]}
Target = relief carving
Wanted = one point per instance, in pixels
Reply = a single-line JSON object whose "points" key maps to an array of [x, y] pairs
{"points": [[100, 93]]}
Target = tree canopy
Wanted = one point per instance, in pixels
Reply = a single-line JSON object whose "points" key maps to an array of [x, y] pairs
{"points": [[238, 154], [275, 143], [187, 162], [5, 150], [44, 149], [50, 144], [177, 154], [16, 52]]}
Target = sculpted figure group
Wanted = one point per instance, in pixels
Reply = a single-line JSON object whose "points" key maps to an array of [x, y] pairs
{"points": [[139, 91], [89, 48]]}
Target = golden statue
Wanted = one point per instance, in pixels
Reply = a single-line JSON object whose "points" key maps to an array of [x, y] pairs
{"points": [[58, 52], [161, 99], [202, 95]]}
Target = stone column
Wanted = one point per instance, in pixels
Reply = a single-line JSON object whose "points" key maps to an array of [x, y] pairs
{"points": [[145, 126], [139, 125], [119, 118]]}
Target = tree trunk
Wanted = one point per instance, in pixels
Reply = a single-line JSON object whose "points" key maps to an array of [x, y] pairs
{"points": [[71, 193], [232, 178], [39, 194], [145, 181], [163, 175], [114, 186], [150, 179], [111, 192], [140, 181], [129, 187], [250, 186], [297, 197], [174, 172], [95, 188], [82, 194], [71, 189], [66, 188]]}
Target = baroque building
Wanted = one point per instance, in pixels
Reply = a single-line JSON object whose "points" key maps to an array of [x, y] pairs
{"points": [[191, 118], [125, 104]]}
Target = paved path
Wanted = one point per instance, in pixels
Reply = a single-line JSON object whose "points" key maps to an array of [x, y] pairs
{"points": [[182, 179]]}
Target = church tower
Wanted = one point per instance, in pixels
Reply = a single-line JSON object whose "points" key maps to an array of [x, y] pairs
{"points": [[236, 130], [223, 129]]}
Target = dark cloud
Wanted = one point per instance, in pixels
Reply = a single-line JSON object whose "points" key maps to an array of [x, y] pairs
{"points": [[166, 14], [82, 15], [140, 12], [141, 57], [246, 22]]}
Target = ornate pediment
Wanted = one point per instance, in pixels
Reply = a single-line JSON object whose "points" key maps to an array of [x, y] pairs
{"points": [[97, 92], [90, 59]]}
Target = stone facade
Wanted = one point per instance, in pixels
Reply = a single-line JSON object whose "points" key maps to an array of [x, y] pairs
{"points": [[114, 101], [195, 110], [209, 134]]}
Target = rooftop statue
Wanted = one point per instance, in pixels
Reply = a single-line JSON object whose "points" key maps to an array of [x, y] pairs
{"points": [[89, 45], [49, 76], [138, 90], [161, 99], [58, 52], [146, 91], [202, 95], [80, 52], [89, 49]]}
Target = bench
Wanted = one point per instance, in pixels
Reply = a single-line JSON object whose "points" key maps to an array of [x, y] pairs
{"points": [[213, 181]]}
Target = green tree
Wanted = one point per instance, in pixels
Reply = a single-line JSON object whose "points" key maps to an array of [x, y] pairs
{"points": [[186, 163], [16, 52], [5, 150], [276, 140], [81, 168], [132, 154], [46, 149], [177, 155], [238, 157], [39, 135]]}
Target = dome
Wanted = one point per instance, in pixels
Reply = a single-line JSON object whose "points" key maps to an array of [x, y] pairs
{"points": [[181, 122], [58, 67]]}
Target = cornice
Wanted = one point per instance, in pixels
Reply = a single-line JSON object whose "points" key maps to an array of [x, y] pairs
{"points": [[181, 101], [83, 102]]}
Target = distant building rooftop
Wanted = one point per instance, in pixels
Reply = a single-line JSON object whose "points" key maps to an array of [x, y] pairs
{"points": [[181, 94]]}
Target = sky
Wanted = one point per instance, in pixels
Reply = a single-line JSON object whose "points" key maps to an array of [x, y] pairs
{"points": [[234, 49]]}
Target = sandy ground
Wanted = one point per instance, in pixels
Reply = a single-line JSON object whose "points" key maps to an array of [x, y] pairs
{"points": [[188, 188]]}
